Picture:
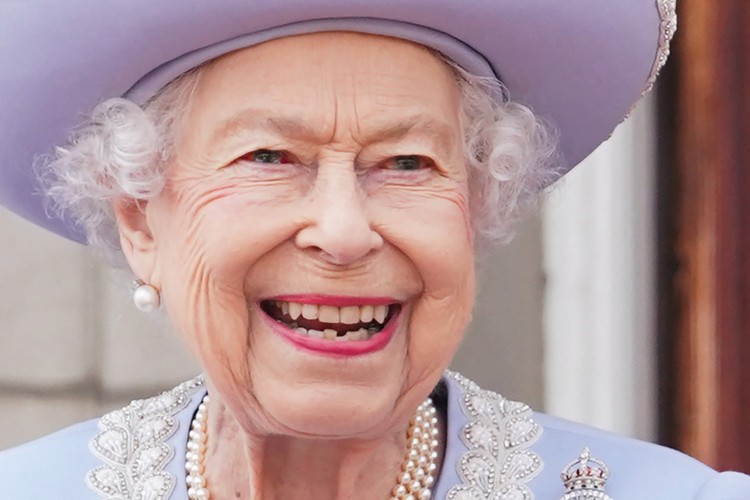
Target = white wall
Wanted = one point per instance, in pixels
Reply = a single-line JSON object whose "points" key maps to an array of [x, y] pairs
{"points": [[71, 346], [599, 256]]}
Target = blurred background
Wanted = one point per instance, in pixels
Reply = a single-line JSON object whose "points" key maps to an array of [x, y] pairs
{"points": [[622, 304]]}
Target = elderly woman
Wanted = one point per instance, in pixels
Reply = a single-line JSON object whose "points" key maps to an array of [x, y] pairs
{"points": [[302, 187]]}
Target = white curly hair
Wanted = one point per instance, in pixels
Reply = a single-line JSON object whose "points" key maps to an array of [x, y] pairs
{"points": [[123, 150]]}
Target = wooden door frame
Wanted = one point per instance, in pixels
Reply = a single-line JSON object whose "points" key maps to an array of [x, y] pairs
{"points": [[704, 235]]}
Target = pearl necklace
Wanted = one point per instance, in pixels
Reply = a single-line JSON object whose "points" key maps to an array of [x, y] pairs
{"points": [[417, 470]]}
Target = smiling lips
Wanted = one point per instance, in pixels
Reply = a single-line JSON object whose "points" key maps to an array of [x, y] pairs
{"points": [[348, 323]]}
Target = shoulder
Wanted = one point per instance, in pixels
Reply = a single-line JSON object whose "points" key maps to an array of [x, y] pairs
{"points": [[638, 469], [726, 486], [549, 445], [44, 468], [134, 452]]}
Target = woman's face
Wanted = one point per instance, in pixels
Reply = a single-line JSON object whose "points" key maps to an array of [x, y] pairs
{"points": [[319, 188]]}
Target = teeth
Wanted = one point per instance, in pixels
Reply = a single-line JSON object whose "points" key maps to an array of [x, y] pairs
{"points": [[380, 313], [295, 309], [309, 311], [328, 314], [331, 334], [366, 313], [349, 315]]}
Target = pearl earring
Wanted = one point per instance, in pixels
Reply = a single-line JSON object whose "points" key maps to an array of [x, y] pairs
{"points": [[146, 297]]}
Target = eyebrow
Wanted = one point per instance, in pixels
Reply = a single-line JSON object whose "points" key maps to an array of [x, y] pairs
{"points": [[439, 131], [260, 119]]}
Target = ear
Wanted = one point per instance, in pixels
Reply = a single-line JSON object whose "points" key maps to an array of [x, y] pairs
{"points": [[136, 237]]}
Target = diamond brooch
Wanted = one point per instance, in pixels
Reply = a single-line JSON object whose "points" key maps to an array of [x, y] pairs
{"points": [[585, 478]]}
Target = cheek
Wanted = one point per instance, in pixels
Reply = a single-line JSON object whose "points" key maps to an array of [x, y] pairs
{"points": [[433, 229], [221, 226], [209, 237]]}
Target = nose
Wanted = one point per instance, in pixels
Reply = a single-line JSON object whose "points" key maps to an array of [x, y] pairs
{"points": [[339, 226]]}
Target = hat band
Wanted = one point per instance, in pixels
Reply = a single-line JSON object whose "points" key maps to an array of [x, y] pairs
{"points": [[461, 53]]}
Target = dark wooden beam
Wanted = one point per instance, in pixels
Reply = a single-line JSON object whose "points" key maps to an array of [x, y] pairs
{"points": [[705, 235]]}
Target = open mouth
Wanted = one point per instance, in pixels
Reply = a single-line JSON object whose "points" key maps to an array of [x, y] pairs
{"points": [[348, 323]]}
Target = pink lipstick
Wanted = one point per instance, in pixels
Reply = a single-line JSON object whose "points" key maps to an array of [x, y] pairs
{"points": [[337, 326]]}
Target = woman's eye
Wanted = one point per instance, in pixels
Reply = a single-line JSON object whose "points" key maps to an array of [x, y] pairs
{"points": [[268, 156], [408, 163]]}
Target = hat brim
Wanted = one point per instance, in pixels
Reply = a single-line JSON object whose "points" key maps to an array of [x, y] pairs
{"points": [[579, 64]]}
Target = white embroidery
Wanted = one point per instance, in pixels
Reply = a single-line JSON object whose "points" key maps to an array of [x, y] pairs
{"points": [[498, 435], [132, 443], [667, 29]]}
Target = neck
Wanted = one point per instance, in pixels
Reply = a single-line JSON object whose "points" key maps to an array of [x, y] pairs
{"points": [[270, 467]]}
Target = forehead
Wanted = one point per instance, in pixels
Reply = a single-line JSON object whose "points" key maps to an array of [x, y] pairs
{"points": [[331, 80]]}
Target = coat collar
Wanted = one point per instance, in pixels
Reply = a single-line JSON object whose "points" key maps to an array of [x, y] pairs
{"points": [[488, 445]]}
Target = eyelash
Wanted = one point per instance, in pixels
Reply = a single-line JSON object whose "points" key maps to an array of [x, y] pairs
{"points": [[422, 162], [392, 163], [284, 157]]}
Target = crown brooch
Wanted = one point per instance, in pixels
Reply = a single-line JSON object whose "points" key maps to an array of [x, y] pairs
{"points": [[585, 478]]}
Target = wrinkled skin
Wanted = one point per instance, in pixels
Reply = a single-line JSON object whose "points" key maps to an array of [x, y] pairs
{"points": [[337, 214]]}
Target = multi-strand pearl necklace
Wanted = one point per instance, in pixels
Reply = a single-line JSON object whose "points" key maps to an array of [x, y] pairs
{"points": [[418, 467], [196, 449], [417, 470]]}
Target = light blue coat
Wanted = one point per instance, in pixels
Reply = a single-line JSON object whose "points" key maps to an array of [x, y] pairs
{"points": [[495, 449]]}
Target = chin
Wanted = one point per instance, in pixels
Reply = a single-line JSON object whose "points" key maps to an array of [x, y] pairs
{"points": [[334, 410]]}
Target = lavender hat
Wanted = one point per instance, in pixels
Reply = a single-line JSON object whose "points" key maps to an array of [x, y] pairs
{"points": [[581, 64]]}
